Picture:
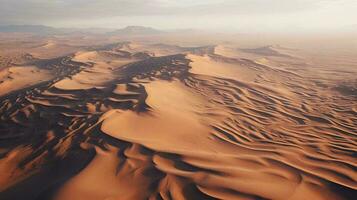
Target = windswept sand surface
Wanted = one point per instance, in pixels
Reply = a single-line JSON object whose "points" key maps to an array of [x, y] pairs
{"points": [[15, 78], [134, 121]]}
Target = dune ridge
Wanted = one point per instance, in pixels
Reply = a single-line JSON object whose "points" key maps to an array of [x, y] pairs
{"points": [[156, 121]]}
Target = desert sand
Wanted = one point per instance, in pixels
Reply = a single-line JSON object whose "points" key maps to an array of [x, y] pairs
{"points": [[98, 119]]}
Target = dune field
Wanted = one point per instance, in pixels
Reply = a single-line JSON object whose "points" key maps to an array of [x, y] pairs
{"points": [[98, 119]]}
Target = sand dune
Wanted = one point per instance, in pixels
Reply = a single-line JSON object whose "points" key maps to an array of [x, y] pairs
{"points": [[160, 49], [15, 78], [158, 121]]}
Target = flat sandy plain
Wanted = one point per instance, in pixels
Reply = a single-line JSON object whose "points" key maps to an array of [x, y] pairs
{"points": [[99, 118]]}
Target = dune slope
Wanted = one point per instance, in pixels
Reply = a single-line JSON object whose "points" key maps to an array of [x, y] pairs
{"points": [[179, 123]]}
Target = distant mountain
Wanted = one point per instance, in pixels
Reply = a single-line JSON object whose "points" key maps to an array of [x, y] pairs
{"points": [[38, 29], [127, 31], [44, 30], [136, 30], [93, 30]]}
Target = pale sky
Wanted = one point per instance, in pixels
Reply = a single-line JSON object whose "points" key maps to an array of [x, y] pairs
{"points": [[256, 15]]}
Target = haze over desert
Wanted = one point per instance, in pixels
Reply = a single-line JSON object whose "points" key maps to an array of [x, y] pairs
{"points": [[177, 112]]}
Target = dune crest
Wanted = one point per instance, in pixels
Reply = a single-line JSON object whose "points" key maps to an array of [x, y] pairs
{"points": [[157, 121]]}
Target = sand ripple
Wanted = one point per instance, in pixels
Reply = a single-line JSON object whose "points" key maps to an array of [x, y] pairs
{"points": [[191, 125]]}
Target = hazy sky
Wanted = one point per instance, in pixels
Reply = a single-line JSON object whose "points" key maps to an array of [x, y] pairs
{"points": [[259, 15]]}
